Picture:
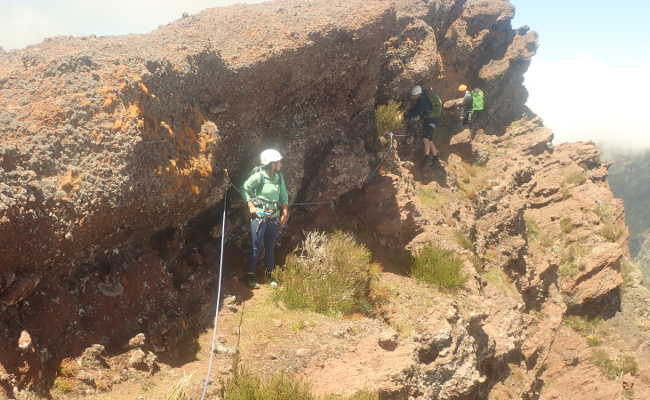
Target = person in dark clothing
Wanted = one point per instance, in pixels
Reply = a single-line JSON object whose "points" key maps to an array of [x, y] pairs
{"points": [[428, 107]]}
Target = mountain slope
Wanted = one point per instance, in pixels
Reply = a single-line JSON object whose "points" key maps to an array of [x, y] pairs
{"points": [[117, 152]]}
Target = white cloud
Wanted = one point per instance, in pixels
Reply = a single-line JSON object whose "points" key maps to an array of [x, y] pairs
{"points": [[24, 24], [588, 98]]}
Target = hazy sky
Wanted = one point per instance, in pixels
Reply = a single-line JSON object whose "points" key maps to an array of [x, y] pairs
{"points": [[592, 71], [587, 81]]}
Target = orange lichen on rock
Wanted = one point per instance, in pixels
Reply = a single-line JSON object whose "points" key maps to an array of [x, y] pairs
{"points": [[108, 101], [96, 136], [70, 182], [189, 171], [46, 112], [143, 88], [130, 117], [133, 111]]}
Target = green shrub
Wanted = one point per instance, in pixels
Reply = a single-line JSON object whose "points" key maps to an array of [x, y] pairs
{"points": [[613, 369], [428, 197], [363, 395], [627, 269], [546, 239], [328, 274], [627, 365], [501, 281], [531, 227], [611, 231], [64, 384], [180, 390], [389, 118], [246, 386], [568, 270], [606, 365], [565, 191], [591, 329], [439, 267], [603, 211], [593, 341], [463, 241], [570, 260], [566, 225], [576, 178]]}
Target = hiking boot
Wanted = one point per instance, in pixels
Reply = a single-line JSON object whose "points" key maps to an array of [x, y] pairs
{"points": [[433, 160], [251, 282]]}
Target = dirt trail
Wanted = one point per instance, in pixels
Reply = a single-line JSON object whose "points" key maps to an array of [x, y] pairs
{"points": [[335, 355]]}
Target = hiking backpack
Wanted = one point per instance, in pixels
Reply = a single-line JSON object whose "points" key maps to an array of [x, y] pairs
{"points": [[478, 100], [436, 103]]}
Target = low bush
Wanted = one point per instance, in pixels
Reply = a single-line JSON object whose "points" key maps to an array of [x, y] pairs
{"points": [[576, 178], [611, 231], [180, 391], [439, 267], [363, 395], [568, 270], [463, 241], [591, 329], [428, 197], [64, 384], [571, 260], [566, 225], [328, 274], [627, 270], [389, 118], [614, 369], [531, 227], [500, 280], [246, 386]]}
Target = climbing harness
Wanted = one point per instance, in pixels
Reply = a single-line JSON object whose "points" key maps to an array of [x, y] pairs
{"points": [[216, 312]]}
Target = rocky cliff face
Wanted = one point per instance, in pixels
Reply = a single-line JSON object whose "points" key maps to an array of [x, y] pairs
{"points": [[114, 154]]}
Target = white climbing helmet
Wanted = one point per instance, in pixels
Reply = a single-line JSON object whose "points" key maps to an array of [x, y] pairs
{"points": [[270, 155], [416, 91]]}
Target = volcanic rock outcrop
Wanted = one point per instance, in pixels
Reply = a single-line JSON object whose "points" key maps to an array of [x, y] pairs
{"points": [[115, 153]]}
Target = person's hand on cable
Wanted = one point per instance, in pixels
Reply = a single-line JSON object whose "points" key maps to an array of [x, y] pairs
{"points": [[252, 210], [284, 217]]}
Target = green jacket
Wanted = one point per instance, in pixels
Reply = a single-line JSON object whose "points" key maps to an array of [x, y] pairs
{"points": [[262, 190]]}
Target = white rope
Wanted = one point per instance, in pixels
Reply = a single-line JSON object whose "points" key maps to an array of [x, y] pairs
{"points": [[216, 312]]}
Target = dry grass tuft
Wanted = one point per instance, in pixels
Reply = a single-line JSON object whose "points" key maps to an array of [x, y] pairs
{"points": [[329, 274], [439, 267]]}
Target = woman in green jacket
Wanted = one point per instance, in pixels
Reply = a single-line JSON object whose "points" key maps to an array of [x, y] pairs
{"points": [[265, 191]]}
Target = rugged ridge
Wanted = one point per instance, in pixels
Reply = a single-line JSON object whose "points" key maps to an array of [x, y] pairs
{"points": [[113, 161]]}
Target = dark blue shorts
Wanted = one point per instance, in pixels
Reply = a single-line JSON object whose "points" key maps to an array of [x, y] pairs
{"points": [[428, 126]]}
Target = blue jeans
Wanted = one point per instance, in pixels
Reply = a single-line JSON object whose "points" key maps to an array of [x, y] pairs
{"points": [[264, 233]]}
